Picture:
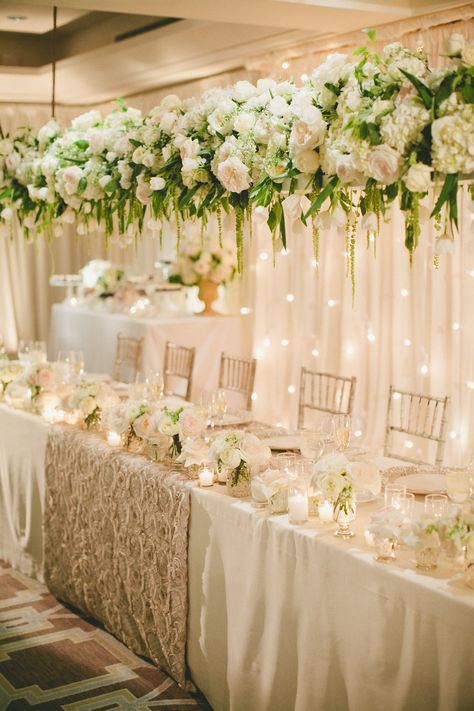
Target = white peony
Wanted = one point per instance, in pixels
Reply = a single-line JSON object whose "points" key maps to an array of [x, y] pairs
{"points": [[234, 175], [306, 161], [243, 91], [254, 452], [418, 178], [192, 423], [157, 183], [305, 136]]}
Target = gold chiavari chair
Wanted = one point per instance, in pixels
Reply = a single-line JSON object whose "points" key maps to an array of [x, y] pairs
{"points": [[178, 370], [238, 375], [128, 354], [325, 393], [416, 415]]}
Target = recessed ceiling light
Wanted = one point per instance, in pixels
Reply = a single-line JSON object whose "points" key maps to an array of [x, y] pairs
{"points": [[17, 18]]}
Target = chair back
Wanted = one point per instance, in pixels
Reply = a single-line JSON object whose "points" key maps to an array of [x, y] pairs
{"points": [[178, 370], [238, 375], [325, 393], [416, 415], [128, 356]]}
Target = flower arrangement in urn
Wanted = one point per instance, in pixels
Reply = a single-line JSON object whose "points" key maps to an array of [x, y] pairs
{"points": [[236, 454], [205, 263]]}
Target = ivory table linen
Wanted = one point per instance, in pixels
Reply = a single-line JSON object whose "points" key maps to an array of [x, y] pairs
{"points": [[95, 333], [22, 452]]}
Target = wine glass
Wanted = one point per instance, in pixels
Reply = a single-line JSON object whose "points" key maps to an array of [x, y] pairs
{"points": [[220, 404], [342, 431], [313, 444], [207, 400], [458, 485]]}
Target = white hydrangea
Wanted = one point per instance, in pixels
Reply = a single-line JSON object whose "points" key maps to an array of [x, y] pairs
{"points": [[453, 142]]}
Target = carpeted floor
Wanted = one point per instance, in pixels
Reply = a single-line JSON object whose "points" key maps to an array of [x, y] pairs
{"points": [[51, 658]]}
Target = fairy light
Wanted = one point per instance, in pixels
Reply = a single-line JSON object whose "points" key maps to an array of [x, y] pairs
{"points": [[267, 342], [290, 298], [254, 396], [470, 384], [315, 352], [456, 326], [471, 272], [371, 336], [304, 77], [358, 433], [291, 389], [408, 444], [453, 434], [314, 263], [258, 353], [263, 256], [333, 302], [285, 65], [244, 310], [350, 349], [404, 292], [284, 252], [407, 342], [396, 396], [284, 342], [424, 369]]}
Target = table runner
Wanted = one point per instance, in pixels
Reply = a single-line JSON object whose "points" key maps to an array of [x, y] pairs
{"points": [[115, 543]]}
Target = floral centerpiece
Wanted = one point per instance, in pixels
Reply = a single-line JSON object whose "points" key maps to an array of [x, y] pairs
{"points": [[126, 419], [92, 398], [423, 536], [102, 275], [236, 454], [270, 487], [339, 480], [170, 431], [8, 373], [40, 378]]}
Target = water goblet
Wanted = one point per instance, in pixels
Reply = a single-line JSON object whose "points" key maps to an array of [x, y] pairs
{"points": [[436, 505], [391, 491], [405, 503], [342, 431]]}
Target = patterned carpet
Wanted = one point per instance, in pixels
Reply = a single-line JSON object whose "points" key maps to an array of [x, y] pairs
{"points": [[51, 658]]}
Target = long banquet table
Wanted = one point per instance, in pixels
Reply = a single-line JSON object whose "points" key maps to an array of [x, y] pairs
{"points": [[279, 617], [95, 333]]}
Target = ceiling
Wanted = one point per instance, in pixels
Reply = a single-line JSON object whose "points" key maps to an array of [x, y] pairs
{"points": [[106, 48]]}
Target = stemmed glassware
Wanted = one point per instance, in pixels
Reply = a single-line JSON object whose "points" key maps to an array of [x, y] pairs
{"points": [[32, 351], [342, 431], [69, 365], [148, 386]]}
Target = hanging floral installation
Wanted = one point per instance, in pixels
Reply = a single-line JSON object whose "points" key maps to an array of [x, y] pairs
{"points": [[357, 136]]}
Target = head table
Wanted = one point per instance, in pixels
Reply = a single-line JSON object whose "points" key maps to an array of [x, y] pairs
{"points": [[260, 614], [95, 333]]}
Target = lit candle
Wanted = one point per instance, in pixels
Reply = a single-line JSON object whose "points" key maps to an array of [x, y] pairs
{"points": [[206, 477], [52, 414], [221, 475], [325, 511], [114, 439], [298, 508]]}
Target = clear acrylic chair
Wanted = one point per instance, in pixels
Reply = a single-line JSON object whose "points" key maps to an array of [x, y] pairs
{"points": [[238, 375], [416, 415], [178, 370], [325, 393], [128, 357]]}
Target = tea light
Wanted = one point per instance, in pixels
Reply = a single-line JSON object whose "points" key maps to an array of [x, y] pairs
{"points": [[298, 508], [52, 414], [221, 476], [114, 439], [325, 512], [206, 477]]}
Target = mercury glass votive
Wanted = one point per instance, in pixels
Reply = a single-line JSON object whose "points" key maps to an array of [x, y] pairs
{"points": [[206, 477], [325, 511], [114, 439]]}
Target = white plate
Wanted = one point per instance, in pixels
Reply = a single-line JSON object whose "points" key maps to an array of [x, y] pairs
{"points": [[234, 418], [423, 483], [283, 443]]}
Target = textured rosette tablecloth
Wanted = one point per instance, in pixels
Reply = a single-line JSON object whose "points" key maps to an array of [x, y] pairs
{"points": [[115, 537]]}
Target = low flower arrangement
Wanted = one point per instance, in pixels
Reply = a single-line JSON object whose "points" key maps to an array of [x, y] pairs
{"points": [[340, 480], [39, 377], [92, 399], [126, 419], [8, 373], [102, 276], [236, 454], [204, 259]]}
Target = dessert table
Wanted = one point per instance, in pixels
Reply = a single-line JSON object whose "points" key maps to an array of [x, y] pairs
{"points": [[95, 333]]}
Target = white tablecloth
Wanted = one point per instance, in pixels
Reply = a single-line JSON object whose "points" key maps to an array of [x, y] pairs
{"points": [[95, 333], [22, 455], [285, 618]]}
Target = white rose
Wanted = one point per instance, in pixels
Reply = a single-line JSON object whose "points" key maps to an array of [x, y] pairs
{"points": [[192, 423], [254, 452], [230, 456], [345, 168], [87, 120], [71, 177], [171, 103], [194, 452], [467, 53], [104, 180], [244, 122], [167, 426], [243, 91], [234, 175], [168, 122], [331, 484], [384, 164], [88, 405], [157, 183], [306, 161], [278, 106], [418, 178], [305, 136], [454, 45]]}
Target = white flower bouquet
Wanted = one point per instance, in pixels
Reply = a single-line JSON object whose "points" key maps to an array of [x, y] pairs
{"points": [[238, 453], [199, 260], [102, 275], [39, 377], [92, 398], [125, 418], [168, 431], [8, 373], [339, 480]]}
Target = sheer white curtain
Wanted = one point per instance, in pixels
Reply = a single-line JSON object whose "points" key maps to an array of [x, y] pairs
{"points": [[402, 320]]}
